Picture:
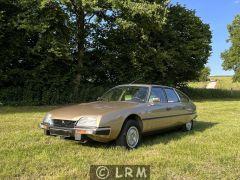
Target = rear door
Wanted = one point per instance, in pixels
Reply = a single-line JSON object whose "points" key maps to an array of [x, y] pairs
{"points": [[189, 109], [176, 110]]}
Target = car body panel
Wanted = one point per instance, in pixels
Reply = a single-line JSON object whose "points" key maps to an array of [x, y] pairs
{"points": [[157, 116], [98, 108], [113, 114]]}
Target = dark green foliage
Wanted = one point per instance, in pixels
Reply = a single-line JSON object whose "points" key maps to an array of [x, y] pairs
{"points": [[184, 46], [204, 74], [36, 66], [174, 54], [204, 94], [231, 57], [54, 96], [66, 51]]}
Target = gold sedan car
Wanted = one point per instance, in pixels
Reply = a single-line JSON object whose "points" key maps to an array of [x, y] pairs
{"points": [[124, 113]]}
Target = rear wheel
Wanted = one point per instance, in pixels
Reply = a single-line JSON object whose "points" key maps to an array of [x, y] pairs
{"points": [[188, 126], [130, 135]]}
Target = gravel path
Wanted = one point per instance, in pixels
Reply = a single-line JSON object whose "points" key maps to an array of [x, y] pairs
{"points": [[212, 85]]}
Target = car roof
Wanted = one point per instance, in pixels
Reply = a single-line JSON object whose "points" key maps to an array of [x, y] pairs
{"points": [[145, 85]]}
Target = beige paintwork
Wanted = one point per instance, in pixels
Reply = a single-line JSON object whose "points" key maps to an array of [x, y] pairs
{"points": [[151, 116]]}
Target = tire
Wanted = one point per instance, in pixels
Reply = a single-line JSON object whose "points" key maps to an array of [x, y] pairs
{"points": [[130, 135], [188, 126], [46, 132]]}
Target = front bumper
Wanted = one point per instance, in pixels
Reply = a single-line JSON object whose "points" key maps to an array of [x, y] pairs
{"points": [[75, 132]]}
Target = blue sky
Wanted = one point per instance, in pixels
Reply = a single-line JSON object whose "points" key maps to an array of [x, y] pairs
{"points": [[217, 13]]}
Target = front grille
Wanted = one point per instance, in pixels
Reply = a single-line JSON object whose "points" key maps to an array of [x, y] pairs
{"points": [[63, 123]]}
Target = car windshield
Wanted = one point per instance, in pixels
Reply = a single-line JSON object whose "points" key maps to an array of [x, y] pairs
{"points": [[126, 93]]}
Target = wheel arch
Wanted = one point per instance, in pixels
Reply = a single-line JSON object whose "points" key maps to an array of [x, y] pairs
{"points": [[134, 117]]}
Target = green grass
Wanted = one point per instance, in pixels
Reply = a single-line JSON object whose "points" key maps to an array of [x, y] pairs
{"points": [[210, 151]]}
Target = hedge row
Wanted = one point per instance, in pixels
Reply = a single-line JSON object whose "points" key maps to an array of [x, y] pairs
{"points": [[55, 96], [208, 94]]}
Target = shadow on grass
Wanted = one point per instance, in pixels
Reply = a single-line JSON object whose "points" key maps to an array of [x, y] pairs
{"points": [[164, 136], [176, 134], [217, 100]]}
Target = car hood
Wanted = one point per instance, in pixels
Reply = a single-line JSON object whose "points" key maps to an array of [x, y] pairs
{"points": [[99, 108]]}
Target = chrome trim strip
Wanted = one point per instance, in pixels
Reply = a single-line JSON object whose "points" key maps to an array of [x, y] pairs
{"points": [[168, 116]]}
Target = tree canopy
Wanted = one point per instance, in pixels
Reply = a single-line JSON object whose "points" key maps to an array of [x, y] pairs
{"points": [[51, 51], [204, 74], [231, 57]]}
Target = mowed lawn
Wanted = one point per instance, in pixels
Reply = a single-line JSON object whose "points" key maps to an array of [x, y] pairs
{"points": [[210, 151]]}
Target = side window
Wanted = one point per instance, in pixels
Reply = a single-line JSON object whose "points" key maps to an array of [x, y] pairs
{"points": [[182, 96], [171, 95], [157, 92]]}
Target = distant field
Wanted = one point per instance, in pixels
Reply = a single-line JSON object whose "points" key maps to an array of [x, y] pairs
{"points": [[226, 83], [223, 82], [210, 151], [197, 84]]}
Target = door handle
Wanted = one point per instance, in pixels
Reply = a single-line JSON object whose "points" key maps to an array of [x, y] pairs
{"points": [[168, 109]]}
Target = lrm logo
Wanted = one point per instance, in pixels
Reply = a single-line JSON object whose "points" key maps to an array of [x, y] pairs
{"points": [[103, 172]]}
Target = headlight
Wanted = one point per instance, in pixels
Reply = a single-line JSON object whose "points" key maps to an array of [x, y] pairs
{"points": [[87, 121], [48, 119]]}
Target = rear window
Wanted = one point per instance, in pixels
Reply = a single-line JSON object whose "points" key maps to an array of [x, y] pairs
{"points": [[182, 96], [171, 95]]}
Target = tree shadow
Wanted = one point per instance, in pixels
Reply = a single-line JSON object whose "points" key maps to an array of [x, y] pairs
{"points": [[163, 136], [216, 100]]}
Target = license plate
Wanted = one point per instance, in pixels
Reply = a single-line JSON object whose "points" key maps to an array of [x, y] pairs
{"points": [[60, 133]]}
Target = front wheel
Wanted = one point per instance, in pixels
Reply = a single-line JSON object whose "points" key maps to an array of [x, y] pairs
{"points": [[130, 135]]}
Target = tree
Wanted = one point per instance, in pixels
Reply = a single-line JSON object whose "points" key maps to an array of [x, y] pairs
{"points": [[48, 48], [183, 47], [31, 50], [171, 55], [93, 21], [231, 57], [204, 74]]}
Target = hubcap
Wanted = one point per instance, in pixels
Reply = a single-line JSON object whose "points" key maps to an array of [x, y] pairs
{"points": [[189, 126], [132, 137]]}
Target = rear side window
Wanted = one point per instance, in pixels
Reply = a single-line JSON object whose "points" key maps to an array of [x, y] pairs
{"points": [[171, 95], [182, 96], [158, 92]]}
